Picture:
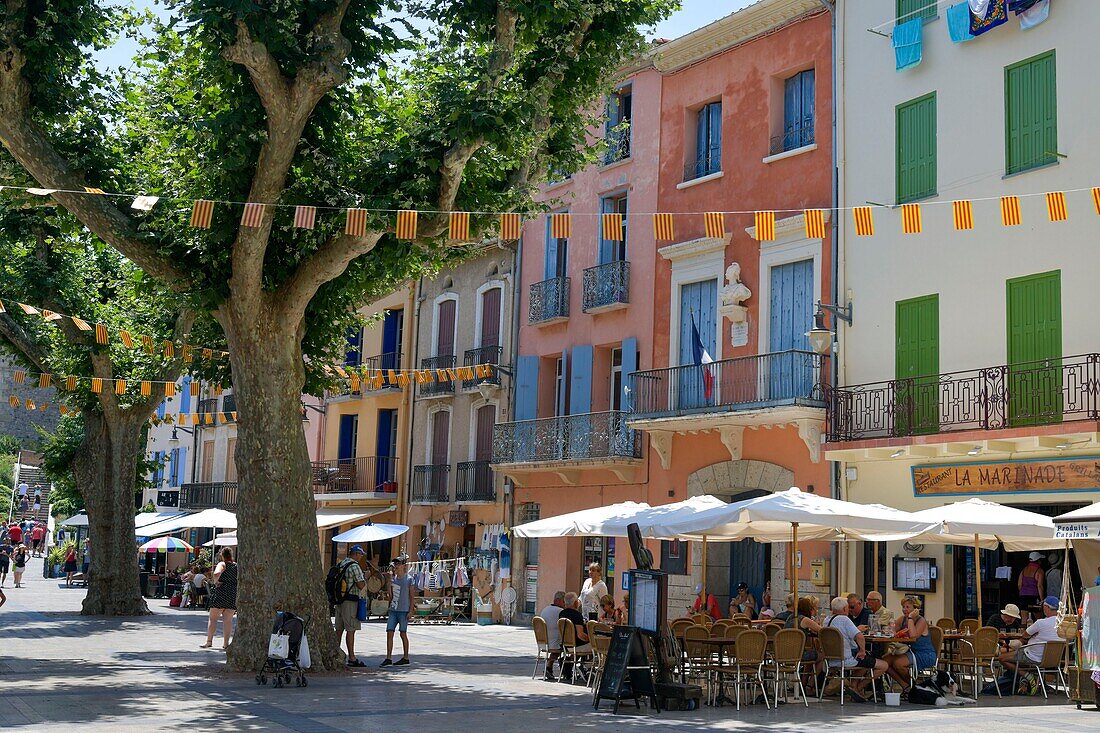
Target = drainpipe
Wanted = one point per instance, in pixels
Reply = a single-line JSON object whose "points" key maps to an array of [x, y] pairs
{"points": [[403, 511]]}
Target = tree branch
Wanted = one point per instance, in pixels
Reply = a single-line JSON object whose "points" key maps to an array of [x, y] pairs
{"points": [[22, 342], [327, 263]]}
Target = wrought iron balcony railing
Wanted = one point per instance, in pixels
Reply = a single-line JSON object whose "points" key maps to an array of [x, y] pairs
{"points": [[793, 137], [549, 300], [430, 485], [391, 360], [606, 285], [229, 407], [475, 482], [618, 144], [706, 164], [745, 383], [992, 398], [221, 495], [366, 474], [482, 355], [437, 387], [567, 438]]}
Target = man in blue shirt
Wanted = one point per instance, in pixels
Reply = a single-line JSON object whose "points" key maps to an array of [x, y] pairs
{"points": [[401, 598]]}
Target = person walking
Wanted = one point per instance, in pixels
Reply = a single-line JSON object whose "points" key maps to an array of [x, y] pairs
{"points": [[19, 560], [87, 558], [401, 597], [223, 599], [350, 581], [38, 539], [5, 561], [70, 565]]}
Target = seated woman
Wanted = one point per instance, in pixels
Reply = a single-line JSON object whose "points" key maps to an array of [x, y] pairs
{"points": [[806, 619], [920, 654], [744, 602], [624, 608], [608, 613]]}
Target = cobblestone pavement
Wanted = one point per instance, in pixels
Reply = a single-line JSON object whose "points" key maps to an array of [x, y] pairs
{"points": [[149, 674]]}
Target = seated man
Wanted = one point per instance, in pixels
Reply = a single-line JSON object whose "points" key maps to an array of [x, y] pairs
{"points": [[572, 612], [550, 615], [856, 654], [1007, 619], [710, 607], [859, 613], [1037, 636], [883, 615]]}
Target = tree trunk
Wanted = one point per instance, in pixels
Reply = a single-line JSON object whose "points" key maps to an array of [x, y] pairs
{"points": [[278, 555], [105, 467]]}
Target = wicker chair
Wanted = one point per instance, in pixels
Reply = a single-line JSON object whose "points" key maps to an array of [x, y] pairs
{"points": [[542, 641], [772, 629], [1051, 661], [600, 638], [749, 663], [787, 661], [571, 652], [702, 619], [947, 624], [969, 625], [832, 650], [975, 658], [697, 655]]}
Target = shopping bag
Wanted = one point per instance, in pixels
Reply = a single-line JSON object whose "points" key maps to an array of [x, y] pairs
{"points": [[361, 611], [278, 646], [303, 654]]}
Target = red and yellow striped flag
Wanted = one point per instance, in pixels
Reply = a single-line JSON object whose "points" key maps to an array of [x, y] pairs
{"points": [[765, 226], [208, 418], [120, 386], [253, 215], [218, 389], [305, 216], [44, 380], [1095, 200], [126, 339], [356, 223], [169, 350], [169, 389], [194, 388], [207, 355], [662, 228], [378, 380], [1010, 211], [50, 315], [202, 211], [30, 404], [148, 345], [406, 224], [561, 226], [458, 226], [963, 213], [424, 376], [613, 227], [402, 380], [187, 357], [1056, 206], [97, 385], [815, 223], [13, 401], [510, 226], [391, 377], [20, 376], [146, 389], [70, 384], [63, 410], [2, 308], [80, 323], [92, 189], [101, 336], [441, 376], [910, 219], [30, 310], [223, 417], [864, 220], [714, 224], [354, 382]]}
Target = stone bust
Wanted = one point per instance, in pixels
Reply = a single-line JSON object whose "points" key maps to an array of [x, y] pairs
{"points": [[735, 292]]}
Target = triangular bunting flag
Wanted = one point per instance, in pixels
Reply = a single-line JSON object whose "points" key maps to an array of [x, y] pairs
{"points": [[1056, 206], [963, 214], [305, 216], [715, 225], [424, 376], [80, 324], [29, 404], [182, 420], [910, 219], [1010, 211], [2, 308], [402, 380], [561, 225], [144, 203], [1095, 205], [253, 215], [202, 211], [14, 401], [355, 225], [340, 370], [765, 226], [41, 191], [30, 310], [458, 227], [208, 418], [378, 381], [391, 375], [223, 417], [864, 220], [51, 316], [233, 415], [97, 191], [662, 228], [613, 227], [510, 226]]}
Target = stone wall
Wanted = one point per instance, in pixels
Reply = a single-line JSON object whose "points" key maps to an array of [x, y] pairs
{"points": [[18, 421]]}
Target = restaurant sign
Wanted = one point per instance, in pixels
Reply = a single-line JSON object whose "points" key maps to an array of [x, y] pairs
{"points": [[1079, 473]]}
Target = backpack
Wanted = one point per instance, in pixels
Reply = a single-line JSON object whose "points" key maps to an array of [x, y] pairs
{"points": [[336, 583]]}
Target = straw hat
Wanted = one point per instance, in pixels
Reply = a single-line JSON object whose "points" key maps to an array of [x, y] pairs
{"points": [[1011, 610]]}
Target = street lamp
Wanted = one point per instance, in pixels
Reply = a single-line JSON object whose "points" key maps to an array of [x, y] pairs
{"points": [[821, 338], [175, 437]]}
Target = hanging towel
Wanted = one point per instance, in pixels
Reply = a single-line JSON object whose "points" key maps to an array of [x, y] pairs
{"points": [[505, 556], [978, 7], [958, 23], [1033, 15], [996, 13], [907, 43]]}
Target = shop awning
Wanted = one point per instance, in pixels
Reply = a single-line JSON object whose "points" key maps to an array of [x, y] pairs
{"points": [[987, 525], [1080, 524], [328, 517]]}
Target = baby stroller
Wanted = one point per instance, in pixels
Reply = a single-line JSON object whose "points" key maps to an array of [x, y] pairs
{"points": [[281, 669]]}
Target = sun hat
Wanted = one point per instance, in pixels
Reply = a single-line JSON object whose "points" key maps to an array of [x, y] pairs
{"points": [[356, 548], [1012, 610], [1051, 601], [698, 587], [1035, 556]]}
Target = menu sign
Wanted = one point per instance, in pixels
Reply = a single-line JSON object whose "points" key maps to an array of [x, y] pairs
{"points": [[1079, 473]]}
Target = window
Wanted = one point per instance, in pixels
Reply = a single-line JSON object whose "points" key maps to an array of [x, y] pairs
{"points": [[674, 557], [617, 126], [158, 467], [445, 323], [557, 253], [611, 250], [708, 142], [1031, 114], [560, 388], [354, 355], [207, 461], [489, 318], [231, 460], [916, 149], [909, 9], [798, 111], [616, 379]]}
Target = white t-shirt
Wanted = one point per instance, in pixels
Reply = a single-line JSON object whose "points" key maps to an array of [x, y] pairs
{"points": [[550, 616], [591, 595], [849, 631], [23, 489], [199, 580], [1040, 632]]}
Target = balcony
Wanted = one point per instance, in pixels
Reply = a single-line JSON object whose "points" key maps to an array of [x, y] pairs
{"points": [[436, 388], [793, 138], [482, 355], [366, 477], [208, 407], [760, 391], [606, 287], [708, 164], [549, 302], [384, 362], [221, 495], [618, 144], [229, 408], [565, 445], [996, 398], [475, 482], [430, 485]]}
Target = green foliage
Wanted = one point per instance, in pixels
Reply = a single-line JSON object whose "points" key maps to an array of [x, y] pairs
{"points": [[7, 480], [9, 444]]}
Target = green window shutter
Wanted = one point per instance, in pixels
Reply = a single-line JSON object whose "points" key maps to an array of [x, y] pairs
{"points": [[917, 366], [909, 9], [1031, 113], [916, 148]]}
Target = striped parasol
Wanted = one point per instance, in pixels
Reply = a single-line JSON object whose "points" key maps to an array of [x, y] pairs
{"points": [[166, 544]]}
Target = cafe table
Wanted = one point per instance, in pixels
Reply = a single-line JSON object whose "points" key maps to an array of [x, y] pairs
{"points": [[720, 643]]}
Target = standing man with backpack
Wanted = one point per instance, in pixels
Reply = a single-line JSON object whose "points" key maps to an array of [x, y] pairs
{"points": [[343, 584]]}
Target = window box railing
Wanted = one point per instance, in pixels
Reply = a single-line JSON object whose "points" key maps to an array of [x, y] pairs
{"points": [[704, 165], [591, 435], [549, 301], [366, 474], [437, 387], [793, 138], [430, 485], [992, 398], [749, 382], [475, 482], [220, 495], [482, 355], [618, 145], [606, 285]]}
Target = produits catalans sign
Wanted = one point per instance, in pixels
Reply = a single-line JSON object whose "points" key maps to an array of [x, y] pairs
{"points": [[1079, 473]]}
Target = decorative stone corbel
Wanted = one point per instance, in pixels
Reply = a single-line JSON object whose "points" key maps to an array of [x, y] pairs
{"points": [[810, 432], [732, 437], [662, 443]]}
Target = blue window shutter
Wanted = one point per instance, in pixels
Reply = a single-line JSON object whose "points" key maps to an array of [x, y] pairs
{"points": [[792, 111], [161, 408], [185, 394], [345, 447], [551, 268], [808, 105], [354, 356], [527, 388], [701, 142], [715, 153], [630, 365], [158, 472], [607, 246], [174, 469], [580, 389], [562, 404], [181, 473]]}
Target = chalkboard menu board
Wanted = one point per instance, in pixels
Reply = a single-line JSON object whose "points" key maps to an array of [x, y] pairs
{"points": [[626, 673]]}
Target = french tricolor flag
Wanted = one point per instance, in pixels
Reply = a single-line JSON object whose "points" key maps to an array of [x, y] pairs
{"points": [[702, 359]]}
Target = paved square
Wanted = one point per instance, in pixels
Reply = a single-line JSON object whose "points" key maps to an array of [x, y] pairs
{"points": [[149, 674]]}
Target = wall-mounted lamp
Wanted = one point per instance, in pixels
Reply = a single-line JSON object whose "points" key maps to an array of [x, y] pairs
{"points": [[821, 338], [974, 451], [175, 436], [486, 388], [898, 453]]}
